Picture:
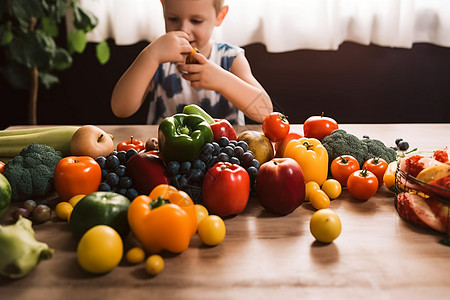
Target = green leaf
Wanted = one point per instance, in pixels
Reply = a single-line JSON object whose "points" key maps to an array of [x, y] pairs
{"points": [[17, 75], [32, 49], [49, 26], [6, 34], [102, 52], [76, 41], [25, 11], [62, 59], [83, 20], [47, 79]]}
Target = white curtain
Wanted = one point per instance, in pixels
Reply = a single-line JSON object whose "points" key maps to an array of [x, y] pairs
{"points": [[286, 25]]}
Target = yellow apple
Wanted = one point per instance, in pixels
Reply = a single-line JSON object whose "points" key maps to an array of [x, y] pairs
{"points": [[92, 141]]}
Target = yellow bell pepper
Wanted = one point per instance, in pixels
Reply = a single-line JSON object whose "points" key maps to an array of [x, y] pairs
{"points": [[312, 157]]}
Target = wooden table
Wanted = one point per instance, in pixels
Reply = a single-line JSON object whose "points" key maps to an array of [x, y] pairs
{"points": [[377, 256]]}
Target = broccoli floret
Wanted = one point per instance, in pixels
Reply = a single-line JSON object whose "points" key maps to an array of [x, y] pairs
{"points": [[339, 143], [31, 172], [377, 148]]}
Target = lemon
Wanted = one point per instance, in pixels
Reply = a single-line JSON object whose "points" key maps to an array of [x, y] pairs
{"points": [[100, 249]]}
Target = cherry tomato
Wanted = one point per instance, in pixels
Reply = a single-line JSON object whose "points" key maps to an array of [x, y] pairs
{"points": [[211, 230], [2, 167], [362, 185], [310, 187], [319, 126], [138, 145], [377, 166], [332, 188], [342, 166], [319, 200], [135, 255], [63, 210], [325, 225], [201, 211], [275, 126], [154, 264]]}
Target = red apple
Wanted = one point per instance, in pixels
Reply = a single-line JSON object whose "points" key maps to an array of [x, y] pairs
{"points": [[89, 140], [280, 185], [319, 126], [280, 146], [146, 170], [223, 128]]}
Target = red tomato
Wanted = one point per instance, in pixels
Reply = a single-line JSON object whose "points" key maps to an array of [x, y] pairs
{"points": [[131, 144], [362, 185], [342, 166], [226, 188], [377, 166], [275, 126], [2, 167], [319, 126], [280, 146], [75, 175]]}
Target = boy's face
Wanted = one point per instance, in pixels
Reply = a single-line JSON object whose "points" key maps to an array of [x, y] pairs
{"points": [[195, 17]]}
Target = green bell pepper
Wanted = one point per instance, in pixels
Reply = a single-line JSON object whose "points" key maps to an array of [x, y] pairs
{"points": [[194, 109], [100, 208], [182, 136]]}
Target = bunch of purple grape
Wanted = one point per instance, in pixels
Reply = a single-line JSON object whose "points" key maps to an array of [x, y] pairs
{"points": [[114, 173], [188, 175]]}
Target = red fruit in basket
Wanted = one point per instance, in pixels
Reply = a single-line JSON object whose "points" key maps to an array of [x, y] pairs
{"points": [[439, 209], [415, 209]]}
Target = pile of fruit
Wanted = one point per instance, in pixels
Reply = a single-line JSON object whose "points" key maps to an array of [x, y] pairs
{"points": [[184, 182]]}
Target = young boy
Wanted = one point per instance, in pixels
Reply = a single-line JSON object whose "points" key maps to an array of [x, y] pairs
{"points": [[221, 82]]}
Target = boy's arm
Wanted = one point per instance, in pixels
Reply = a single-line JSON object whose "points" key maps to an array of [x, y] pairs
{"points": [[239, 85], [132, 88]]}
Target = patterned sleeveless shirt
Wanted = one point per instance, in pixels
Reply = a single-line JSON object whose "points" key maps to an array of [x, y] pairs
{"points": [[171, 92]]}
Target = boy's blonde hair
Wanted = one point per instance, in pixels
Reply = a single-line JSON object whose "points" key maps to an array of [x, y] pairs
{"points": [[218, 4]]}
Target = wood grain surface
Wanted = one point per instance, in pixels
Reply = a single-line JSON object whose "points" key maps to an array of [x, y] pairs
{"points": [[264, 256]]}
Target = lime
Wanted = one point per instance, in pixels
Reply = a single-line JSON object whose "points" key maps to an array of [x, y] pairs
{"points": [[5, 194]]}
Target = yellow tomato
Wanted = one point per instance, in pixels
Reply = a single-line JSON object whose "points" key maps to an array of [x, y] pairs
{"points": [[154, 264], [75, 199], [211, 230], [332, 188], [389, 175], [319, 200], [63, 210], [201, 211], [311, 186], [325, 225], [135, 255], [100, 249]]}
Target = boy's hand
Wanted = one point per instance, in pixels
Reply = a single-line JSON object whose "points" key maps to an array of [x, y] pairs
{"points": [[204, 74], [170, 47]]}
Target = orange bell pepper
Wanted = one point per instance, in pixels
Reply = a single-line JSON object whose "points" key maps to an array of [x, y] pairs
{"points": [[164, 220], [312, 157]]}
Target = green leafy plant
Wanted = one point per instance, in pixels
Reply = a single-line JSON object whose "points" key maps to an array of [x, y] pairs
{"points": [[28, 42]]}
